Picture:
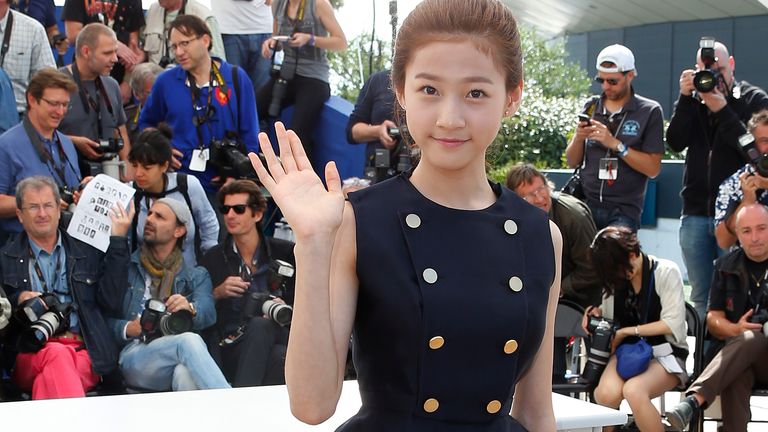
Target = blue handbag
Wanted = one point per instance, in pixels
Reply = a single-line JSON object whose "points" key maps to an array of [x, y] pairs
{"points": [[633, 358]]}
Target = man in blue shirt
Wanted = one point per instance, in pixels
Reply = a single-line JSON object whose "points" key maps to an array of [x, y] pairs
{"points": [[35, 147], [203, 105]]}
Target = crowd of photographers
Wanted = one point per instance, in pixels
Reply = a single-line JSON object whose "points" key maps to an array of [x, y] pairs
{"points": [[191, 293]]}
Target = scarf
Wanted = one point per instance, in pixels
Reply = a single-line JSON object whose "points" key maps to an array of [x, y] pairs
{"points": [[162, 273]]}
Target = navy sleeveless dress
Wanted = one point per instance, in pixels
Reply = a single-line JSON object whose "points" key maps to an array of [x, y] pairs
{"points": [[451, 309]]}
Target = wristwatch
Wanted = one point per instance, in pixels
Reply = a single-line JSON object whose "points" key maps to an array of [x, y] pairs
{"points": [[622, 149]]}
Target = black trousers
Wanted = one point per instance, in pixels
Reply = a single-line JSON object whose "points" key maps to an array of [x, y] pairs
{"points": [[257, 358], [307, 95]]}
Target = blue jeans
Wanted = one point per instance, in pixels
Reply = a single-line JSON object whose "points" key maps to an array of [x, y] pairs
{"points": [[699, 247], [611, 216], [244, 50], [178, 362]]}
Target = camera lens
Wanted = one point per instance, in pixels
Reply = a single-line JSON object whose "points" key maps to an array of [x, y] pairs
{"points": [[704, 81], [176, 323]]}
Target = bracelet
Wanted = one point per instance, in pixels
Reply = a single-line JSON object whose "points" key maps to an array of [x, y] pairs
{"points": [[637, 331], [311, 39]]}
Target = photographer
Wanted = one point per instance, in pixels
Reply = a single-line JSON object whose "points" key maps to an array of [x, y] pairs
{"points": [[746, 186], [36, 147], [95, 118], [45, 261], [207, 102], [736, 317], [619, 145], [167, 302], [644, 298], [150, 158], [250, 349], [372, 122], [708, 124], [308, 29]]}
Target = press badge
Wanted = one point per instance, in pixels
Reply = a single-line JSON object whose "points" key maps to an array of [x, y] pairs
{"points": [[609, 169], [199, 160]]}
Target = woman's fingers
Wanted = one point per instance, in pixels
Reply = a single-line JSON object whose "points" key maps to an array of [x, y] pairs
{"points": [[286, 144], [261, 171], [332, 177], [275, 167]]}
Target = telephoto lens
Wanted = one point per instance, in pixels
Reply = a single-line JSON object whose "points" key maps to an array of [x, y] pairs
{"points": [[600, 350]]}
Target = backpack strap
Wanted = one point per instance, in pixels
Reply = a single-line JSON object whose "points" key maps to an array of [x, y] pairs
{"points": [[182, 186]]}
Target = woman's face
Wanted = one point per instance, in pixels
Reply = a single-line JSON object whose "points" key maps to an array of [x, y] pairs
{"points": [[635, 265], [454, 97], [149, 177]]}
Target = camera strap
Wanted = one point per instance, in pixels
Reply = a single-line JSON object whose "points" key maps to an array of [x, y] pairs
{"points": [[91, 103], [45, 156], [6, 37], [39, 271]]}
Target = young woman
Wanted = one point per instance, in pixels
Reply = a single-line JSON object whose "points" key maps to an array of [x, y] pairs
{"points": [[632, 278], [449, 281], [150, 157]]}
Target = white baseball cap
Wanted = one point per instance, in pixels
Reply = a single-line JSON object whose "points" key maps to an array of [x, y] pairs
{"points": [[619, 55]]}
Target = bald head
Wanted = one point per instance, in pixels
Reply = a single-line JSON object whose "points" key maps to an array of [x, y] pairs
{"points": [[752, 231], [725, 63]]}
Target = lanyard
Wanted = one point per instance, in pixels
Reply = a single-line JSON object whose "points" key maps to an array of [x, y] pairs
{"points": [[89, 103], [299, 14], [6, 37], [45, 156], [40, 276], [207, 110]]}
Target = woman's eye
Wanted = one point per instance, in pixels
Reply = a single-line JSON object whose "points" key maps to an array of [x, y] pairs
{"points": [[476, 94], [428, 90]]}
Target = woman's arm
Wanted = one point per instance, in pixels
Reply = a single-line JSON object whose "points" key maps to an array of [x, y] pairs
{"points": [[336, 40], [324, 310], [533, 393]]}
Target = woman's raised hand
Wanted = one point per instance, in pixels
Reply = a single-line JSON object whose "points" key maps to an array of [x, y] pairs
{"points": [[307, 205]]}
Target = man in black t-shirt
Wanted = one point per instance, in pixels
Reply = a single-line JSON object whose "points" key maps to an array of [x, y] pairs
{"points": [[736, 316]]}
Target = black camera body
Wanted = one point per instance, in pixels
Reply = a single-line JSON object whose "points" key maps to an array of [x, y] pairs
{"points": [[759, 161], [40, 318], [602, 330], [110, 145], [385, 164], [67, 194], [707, 79], [156, 321], [228, 155]]}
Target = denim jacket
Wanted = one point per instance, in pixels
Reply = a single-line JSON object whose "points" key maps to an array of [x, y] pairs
{"points": [[191, 282], [97, 282]]}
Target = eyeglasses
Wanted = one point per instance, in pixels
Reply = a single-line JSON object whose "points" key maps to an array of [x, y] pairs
{"points": [[238, 208], [35, 208], [536, 193], [611, 81], [54, 104], [183, 44]]}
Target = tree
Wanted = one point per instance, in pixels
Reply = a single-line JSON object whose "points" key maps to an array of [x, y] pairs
{"points": [[351, 65]]}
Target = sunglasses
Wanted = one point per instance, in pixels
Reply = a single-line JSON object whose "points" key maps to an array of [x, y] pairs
{"points": [[238, 208], [611, 81]]}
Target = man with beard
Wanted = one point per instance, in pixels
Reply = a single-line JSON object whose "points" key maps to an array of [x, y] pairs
{"points": [[161, 282], [621, 144]]}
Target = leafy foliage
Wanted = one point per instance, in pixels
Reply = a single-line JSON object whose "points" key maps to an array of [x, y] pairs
{"points": [[352, 68]]}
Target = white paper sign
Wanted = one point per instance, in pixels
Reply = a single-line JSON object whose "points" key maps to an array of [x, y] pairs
{"points": [[90, 222]]}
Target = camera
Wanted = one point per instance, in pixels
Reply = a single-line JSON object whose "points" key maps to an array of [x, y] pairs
{"points": [[228, 155], [388, 163], [5, 311], [283, 74], [41, 317], [110, 145], [255, 303], [705, 80], [760, 315], [602, 330], [759, 161], [67, 194], [156, 321]]}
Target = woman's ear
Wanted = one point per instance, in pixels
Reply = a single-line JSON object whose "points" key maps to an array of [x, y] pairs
{"points": [[400, 99], [514, 97]]}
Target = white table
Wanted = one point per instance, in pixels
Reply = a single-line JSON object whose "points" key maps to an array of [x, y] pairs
{"points": [[266, 408]]}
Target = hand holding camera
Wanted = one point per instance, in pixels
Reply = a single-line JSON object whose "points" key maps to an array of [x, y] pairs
{"points": [[385, 137], [233, 286]]}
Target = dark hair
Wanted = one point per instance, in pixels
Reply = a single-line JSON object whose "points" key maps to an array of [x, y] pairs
{"points": [[47, 78], [487, 23], [609, 254], [256, 200], [523, 174], [152, 146], [191, 26]]}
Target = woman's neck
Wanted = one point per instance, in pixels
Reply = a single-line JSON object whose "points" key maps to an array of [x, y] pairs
{"points": [[465, 189], [159, 185], [637, 277]]}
